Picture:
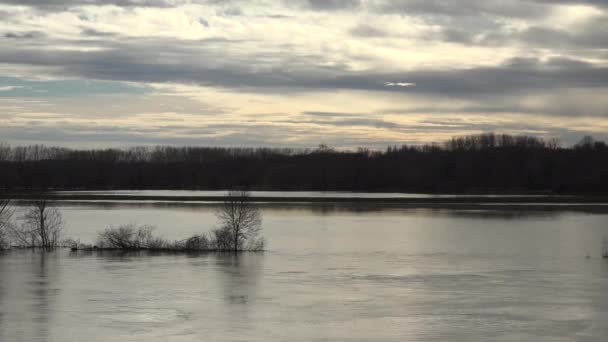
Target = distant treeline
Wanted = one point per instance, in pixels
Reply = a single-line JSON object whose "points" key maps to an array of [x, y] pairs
{"points": [[479, 163]]}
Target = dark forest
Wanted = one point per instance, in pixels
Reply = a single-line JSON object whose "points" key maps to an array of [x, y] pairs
{"points": [[472, 164]]}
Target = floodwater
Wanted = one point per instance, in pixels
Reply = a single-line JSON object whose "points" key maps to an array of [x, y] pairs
{"points": [[293, 194], [331, 273]]}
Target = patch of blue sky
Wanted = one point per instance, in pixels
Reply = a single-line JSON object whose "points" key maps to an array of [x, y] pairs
{"points": [[19, 87]]}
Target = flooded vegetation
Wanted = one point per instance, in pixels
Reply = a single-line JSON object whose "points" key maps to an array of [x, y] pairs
{"points": [[41, 226]]}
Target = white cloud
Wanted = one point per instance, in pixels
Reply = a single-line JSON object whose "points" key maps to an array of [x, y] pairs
{"points": [[399, 84]]}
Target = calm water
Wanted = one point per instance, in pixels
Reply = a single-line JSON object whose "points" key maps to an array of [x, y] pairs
{"points": [[297, 194], [330, 274]]}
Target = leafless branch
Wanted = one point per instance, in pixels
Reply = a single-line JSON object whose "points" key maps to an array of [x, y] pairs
{"points": [[240, 222]]}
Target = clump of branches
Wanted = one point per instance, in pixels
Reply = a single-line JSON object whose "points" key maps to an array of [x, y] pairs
{"points": [[196, 243], [74, 244], [131, 237], [41, 226]]}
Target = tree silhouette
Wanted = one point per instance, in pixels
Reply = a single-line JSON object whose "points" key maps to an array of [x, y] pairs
{"points": [[240, 221], [41, 226], [476, 163]]}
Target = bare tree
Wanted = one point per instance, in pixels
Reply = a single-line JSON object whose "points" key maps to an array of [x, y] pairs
{"points": [[240, 223], [6, 213], [41, 226]]}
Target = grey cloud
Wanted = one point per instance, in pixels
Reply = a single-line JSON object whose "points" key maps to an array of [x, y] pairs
{"points": [[349, 122], [230, 12], [366, 31], [256, 134], [458, 35], [468, 8], [60, 5], [593, 34], [95, 33], [328, 114], [193, 62], [478, 8], [24, 35], [328, 4], [513, 8], [598, 3], [554, 102], [362, 122], [479, 22]]}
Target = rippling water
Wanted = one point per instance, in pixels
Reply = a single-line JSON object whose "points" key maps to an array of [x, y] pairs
{"points": [[331, 273]]}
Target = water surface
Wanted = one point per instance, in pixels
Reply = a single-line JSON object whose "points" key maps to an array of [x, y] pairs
{"points": [[274, 194], [331, 273]]}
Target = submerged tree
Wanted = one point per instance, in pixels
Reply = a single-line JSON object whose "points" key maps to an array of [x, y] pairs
{"points": [[240, 223], [41, 226], [5, 219]]}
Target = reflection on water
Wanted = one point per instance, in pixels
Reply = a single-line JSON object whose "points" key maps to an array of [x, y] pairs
{"points": [[395, 274], [239, 276]]}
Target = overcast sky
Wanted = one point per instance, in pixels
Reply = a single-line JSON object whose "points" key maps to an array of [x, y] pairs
{"points": [[299, 73]]}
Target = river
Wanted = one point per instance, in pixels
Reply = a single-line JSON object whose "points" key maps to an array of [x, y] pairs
{"points": [[330, 273]]}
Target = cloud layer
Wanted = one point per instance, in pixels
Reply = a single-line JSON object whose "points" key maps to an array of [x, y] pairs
{"points": [[253, 72]]}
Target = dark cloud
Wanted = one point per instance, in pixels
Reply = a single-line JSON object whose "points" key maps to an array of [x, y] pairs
{"points": [[24, 35], [593, 34], [318, 5], [598, 3], [206, 64], [368, 31], [60, 5], [95, 33], [481, 22], [478, 8], [467, 8], [512, 8], [328, 5]]}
